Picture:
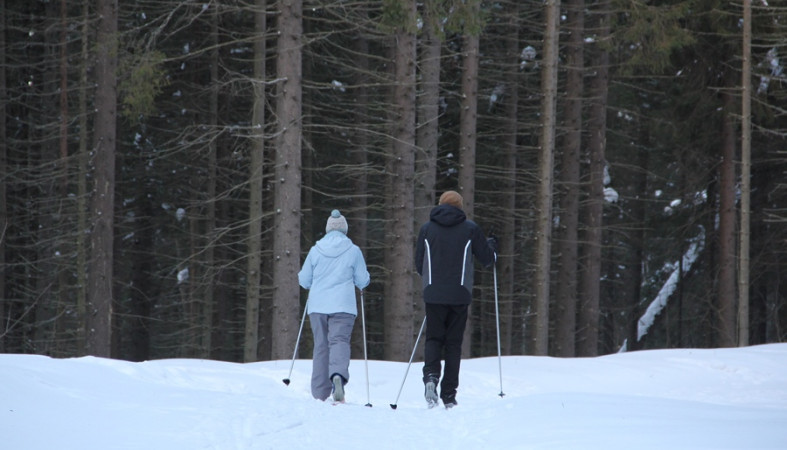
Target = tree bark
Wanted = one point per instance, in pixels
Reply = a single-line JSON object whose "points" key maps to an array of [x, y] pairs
{"points": [[426, 136], [743, 266], [208, 284], [568, 241], [44, 154], [254, 249], [359, 218], [507, 244], [590, 286], [82, 195], [62, 178], [638, 264], [287, 201], [468, 119], [545, 173], [400, 169], [726, 283], [4, 311], [100, 270]]}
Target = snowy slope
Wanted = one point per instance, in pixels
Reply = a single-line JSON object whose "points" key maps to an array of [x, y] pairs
{"points": [[665, 399]]}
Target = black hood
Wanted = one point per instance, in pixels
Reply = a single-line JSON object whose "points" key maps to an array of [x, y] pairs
{"points": [[447, 215]]}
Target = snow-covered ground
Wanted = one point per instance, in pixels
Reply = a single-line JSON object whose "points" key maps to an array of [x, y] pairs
{"points": [[665, 399]]}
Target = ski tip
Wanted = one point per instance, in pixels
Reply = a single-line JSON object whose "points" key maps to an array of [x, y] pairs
{"points": [[286, 381], [393, 406]]}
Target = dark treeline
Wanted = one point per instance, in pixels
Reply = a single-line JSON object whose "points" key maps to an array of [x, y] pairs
{"points": [[166, 165]]}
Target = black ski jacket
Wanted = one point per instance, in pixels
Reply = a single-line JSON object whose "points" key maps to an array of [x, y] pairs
{"points": [[444, 255]]}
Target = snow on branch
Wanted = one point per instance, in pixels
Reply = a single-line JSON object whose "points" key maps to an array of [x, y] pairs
{"points": [[658, 304]]}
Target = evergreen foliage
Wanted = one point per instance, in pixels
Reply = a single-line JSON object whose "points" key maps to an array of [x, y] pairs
{"points": [[181, 215]]}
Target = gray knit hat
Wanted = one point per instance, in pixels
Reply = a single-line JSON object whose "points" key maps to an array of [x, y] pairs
{"points": [[336, 222]]}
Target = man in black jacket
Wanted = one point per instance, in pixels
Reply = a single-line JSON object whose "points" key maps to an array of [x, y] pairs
{"points": [[444, 255]]}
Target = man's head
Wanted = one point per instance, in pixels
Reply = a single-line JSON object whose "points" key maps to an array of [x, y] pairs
{"points": [[451, 198]]}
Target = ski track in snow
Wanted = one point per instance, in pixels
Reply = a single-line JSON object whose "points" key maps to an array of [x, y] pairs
{"points": [[678, 399]]}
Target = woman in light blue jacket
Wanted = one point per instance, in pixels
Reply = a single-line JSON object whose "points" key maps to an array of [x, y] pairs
{"points": [[332, 270]]}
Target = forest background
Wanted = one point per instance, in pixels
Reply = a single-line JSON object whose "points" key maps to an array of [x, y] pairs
{"points": [[165, 166]]}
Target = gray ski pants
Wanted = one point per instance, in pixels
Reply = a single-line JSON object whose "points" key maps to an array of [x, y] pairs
{"points": [[332, 333]]}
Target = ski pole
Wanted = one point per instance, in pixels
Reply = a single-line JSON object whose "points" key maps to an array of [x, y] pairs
{"points": [[365, 358], [297, 341], [497, 319], [393, 405]]}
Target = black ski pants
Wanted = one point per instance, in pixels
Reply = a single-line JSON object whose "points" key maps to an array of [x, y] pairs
{"points": [[445, 328]]}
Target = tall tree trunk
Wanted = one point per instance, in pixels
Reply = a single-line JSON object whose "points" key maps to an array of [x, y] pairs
{"points": [[399, 210], [743, 269], [568, 242], [82, 194], [506, 250], [100, 271], [589, 292], [426, 136], [545, 171], [190, 288], [254, 249], [726, 284], [4, 310], [428, 114], [287, 200], [140, 300], [209, 285], [359, 218], [62, 176], [45, 156], [639, 217], [468, 119]]}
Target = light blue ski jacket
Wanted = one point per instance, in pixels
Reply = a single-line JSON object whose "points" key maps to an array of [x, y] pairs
{"points": [[332, 269]]}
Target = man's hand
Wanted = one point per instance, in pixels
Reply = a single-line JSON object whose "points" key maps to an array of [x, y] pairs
{"points": [[492, 241]]}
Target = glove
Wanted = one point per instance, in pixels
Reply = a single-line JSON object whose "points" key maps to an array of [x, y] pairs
{"points": [[492, 241]]}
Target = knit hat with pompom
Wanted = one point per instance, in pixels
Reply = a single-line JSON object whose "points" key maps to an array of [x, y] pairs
{"points": [[336, 222]]}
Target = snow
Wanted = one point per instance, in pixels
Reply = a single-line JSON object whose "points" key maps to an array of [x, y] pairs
{"points": [[338, 85], [611, 195], [527, 58], [658, 399], [660, 302], [776, 70], [183, 275]]}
